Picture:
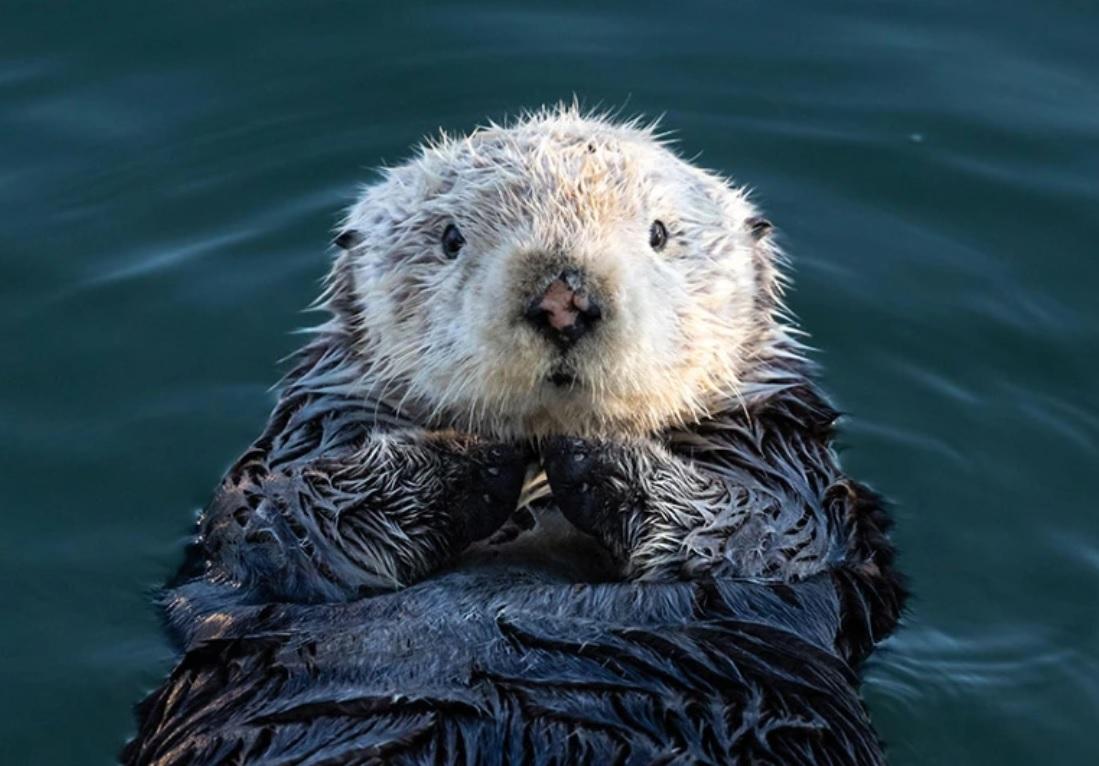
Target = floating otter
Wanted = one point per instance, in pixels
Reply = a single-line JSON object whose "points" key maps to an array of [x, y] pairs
{"points": [[553, 484]]}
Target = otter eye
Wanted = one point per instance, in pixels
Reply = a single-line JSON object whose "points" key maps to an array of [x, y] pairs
{"points": [[452, 241], [658, 236]]}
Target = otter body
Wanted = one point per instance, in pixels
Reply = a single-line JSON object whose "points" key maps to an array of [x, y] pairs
{"points": [[553, 484]]}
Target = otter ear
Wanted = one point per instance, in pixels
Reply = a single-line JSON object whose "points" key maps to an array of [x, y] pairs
{"points": [[348, 239], [759, 227]]}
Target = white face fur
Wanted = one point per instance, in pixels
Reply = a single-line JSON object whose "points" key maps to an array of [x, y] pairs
{"points": [[445, 333]]}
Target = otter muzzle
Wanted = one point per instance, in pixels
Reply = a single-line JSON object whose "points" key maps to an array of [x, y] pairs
{"points": [[565, 311]]}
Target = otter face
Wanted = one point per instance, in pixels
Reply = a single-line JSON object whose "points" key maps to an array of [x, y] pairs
{"points": [[563, 275]]}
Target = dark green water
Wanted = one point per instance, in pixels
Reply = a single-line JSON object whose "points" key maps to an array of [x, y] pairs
{"points": [[169, 174]]}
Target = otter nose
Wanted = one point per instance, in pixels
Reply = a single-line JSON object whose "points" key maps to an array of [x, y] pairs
{"points": [[565, 311]]}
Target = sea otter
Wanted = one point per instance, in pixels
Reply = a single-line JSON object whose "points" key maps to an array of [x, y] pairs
{"points": [[552, 484]]}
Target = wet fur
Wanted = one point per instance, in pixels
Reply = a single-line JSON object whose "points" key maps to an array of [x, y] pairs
{"points": [[693, 578]]}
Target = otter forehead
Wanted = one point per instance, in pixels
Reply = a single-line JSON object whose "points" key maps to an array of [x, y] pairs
{"points": [[560, 274], [555, 175]]}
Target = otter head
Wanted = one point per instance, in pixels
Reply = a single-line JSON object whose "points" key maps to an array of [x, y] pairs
{"points": [[561, 275]]}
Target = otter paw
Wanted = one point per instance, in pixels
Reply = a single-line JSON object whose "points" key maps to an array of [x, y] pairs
{"points": [[581, 474], [491, 488]]}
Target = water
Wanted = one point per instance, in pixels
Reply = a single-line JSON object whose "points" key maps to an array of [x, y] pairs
{"points": [[169, 174]]}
